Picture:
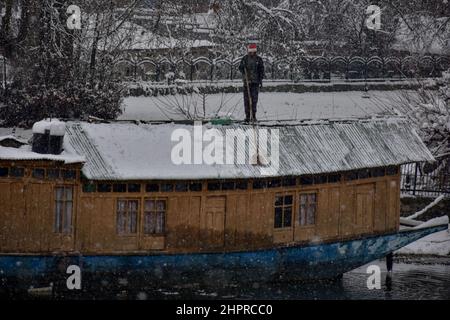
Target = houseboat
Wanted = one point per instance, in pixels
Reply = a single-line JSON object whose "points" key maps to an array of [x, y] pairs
{"points": [[108, 197]]}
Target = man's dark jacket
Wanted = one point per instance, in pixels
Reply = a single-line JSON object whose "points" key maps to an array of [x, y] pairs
{"points": [[255, 69]]}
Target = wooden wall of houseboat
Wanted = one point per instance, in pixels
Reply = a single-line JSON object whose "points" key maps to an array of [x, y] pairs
{"points": [[239, 220], [205, 221], [27, 211]]}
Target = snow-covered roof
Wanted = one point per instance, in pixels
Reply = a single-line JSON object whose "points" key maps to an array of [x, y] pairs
{"points": [[25, 154], [129, 151], [131, 36]]}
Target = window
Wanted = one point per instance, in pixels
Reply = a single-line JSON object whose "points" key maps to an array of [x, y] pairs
{"points": [[17, 172], [283, 211], [392, 171], [275, 183], [350, 176], [226, 186], [364, 174], [120, 188], [320, 179], [134, 187], [4, 172], [306, 181], [308, 209], [69, 174], [289, 182], [213, 186], [127, 214], [167, 187], [104, 187], [38, 173], [152, 187], [334, 178], [63, 210], [155, 216], [89, 187], [260, 184], [181, 187], [196, 187], [241, 185], [53, 174], [378, 172]]}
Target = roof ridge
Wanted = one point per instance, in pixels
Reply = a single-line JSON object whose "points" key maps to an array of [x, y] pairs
{"points": [[261, 123]]}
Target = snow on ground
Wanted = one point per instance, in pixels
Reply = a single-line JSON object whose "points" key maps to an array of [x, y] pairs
{"points": [[434, 244], [272, 106]]}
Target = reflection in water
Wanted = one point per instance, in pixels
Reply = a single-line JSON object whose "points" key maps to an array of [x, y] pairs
{"points": [[407, 281]]}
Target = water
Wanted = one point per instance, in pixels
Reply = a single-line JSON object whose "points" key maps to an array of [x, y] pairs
{"points": [[421, 278], [408, 281]]}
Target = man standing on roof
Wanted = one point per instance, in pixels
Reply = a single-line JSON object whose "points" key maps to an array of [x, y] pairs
{"points": [[252, 69]]}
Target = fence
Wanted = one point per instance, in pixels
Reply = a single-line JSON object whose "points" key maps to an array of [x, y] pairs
{"points": [[426, 179], [300, 69]]}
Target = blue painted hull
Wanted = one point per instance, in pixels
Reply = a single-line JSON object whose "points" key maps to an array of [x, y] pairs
{"points": [[315, 261]]}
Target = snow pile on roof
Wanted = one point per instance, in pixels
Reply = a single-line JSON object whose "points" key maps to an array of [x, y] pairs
{"points": [[54, 126], [125, 151], [11, 137]]}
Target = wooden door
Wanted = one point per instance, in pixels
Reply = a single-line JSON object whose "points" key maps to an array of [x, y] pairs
{"points": [[38, 219], [15, 218], [364, 208], [213, 223]]}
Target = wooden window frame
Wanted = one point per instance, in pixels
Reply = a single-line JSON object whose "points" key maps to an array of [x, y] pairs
{"points": [[307, 204], [128, 220], [59, 227], [155, 212], [283, 208]]}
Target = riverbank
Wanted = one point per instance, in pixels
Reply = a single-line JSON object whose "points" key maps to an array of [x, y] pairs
{"points": [[437, 244], [422, 259]]}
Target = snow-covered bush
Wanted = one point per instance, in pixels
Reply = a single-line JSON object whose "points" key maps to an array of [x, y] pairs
{"points": [[431, 114], [23, 107]]}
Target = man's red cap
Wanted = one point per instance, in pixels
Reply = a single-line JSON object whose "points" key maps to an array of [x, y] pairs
{"points": [[252, 47]]}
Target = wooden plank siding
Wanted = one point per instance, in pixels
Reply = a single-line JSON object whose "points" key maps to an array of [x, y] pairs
{"points": [[195, 221], [27, 208]]}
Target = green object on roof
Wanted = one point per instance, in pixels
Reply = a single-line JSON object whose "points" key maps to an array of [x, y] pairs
{"points": [[222, 121]]}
